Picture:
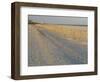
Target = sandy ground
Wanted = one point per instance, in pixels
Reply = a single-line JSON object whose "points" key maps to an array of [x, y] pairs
{"points": [[46, 47]]}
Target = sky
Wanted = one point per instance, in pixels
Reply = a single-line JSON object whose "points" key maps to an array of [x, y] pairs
{"points": [[59, 19]]}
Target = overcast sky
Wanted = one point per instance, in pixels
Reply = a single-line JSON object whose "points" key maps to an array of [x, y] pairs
{"points": [[59, 19]]}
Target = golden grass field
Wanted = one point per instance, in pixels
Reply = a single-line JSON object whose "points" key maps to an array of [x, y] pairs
{"points": [[77, 33]]}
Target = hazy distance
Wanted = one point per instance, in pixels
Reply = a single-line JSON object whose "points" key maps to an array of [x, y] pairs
{"points": [[58, 19]]}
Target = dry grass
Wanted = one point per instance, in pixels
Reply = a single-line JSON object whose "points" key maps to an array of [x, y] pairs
{"points": [[77, 33]]}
